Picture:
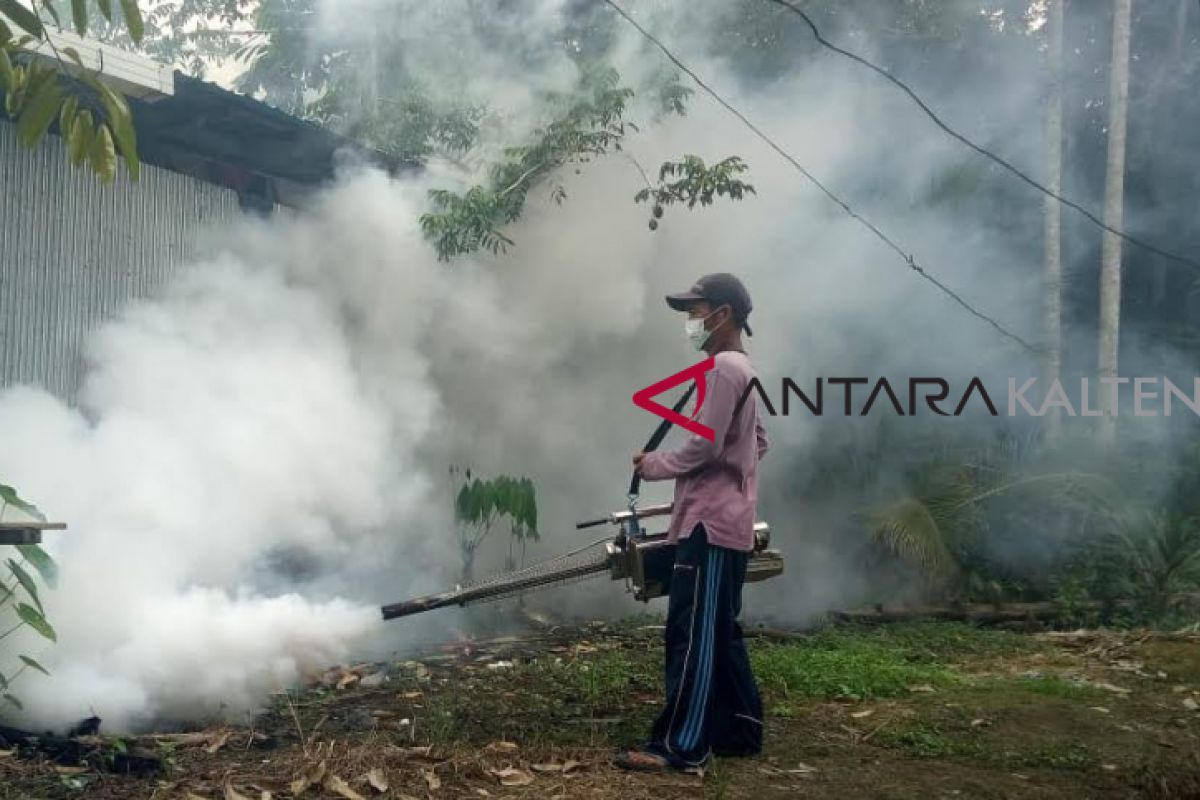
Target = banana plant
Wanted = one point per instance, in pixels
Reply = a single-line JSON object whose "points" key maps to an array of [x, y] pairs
{"points": [[20, 600]]}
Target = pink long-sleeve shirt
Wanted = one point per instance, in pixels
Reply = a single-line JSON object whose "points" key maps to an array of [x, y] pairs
{"points": [[716, 483]]}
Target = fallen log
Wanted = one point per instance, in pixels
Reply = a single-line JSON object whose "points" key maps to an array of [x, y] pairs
{"points": [[980, 613], [777, 634], [107, 755], [988, 613]]}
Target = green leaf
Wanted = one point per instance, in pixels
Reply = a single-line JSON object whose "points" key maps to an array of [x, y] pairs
{"points": [[21, 15], [6, 71], [133, 19], [9, 496], [5, 32], [14, 98], [66, 116], [41, 107], [79, 142], [35, 665], [49, 6], [72, 54], [41, 561], [14, 701], [79, 15], [30, 616], [102, 156], [120, 121], [26, 581]]}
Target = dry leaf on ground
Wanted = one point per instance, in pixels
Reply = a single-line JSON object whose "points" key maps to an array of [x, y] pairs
{"points": [[233, 794], [510, 776], [377, 780], [341, 788], [311, 777], [218, 742], [1108, 687]]}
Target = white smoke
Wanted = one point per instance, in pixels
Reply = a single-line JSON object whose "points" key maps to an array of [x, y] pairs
{"points": [[259, 455], [225, 430]]}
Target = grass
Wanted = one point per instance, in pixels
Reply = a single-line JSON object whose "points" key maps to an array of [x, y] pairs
{"points": [[988, 718], [842, 668], [1054, 686], [438, 723], [927, 642], [923, 739], [863, 662]]}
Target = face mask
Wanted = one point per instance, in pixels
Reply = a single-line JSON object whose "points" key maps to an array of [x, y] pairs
{"points": [[694, 328]]}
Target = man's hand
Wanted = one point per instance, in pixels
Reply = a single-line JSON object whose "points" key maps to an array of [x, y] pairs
{"points": [[637, 461]]}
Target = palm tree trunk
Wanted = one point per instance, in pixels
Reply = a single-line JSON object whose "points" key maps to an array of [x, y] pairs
{"points": [[1181, 23], [1114, 193], [1052, 275]]}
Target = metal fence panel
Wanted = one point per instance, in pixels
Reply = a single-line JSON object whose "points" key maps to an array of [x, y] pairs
{"points": [[73, 251]]}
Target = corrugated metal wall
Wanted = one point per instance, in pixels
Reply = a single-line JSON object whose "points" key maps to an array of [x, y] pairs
{"points": [[73, 251]]}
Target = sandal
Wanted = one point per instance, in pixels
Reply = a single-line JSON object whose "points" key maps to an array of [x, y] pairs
{"points": [[637, 760]]}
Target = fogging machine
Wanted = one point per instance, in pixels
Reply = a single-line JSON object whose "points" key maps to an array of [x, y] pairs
{"points": [[645, 561]]}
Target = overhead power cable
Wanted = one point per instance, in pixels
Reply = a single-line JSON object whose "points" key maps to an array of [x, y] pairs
{"points": [[981, 150], [907, 257]]}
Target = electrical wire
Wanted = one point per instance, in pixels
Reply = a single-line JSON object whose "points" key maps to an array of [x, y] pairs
{"points": [[907, 257], [980, 149]]}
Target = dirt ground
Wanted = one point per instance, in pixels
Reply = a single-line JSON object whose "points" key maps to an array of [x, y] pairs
{"points": [[925, 710]]}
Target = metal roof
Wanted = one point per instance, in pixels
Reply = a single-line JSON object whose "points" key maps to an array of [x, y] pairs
{"points": [[219, 135]]}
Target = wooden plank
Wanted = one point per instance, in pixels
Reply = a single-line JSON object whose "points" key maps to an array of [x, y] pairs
{"points": [[27, 532], [20, 536]]}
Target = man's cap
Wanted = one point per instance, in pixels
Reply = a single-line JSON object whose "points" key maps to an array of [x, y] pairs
{"points": [[717, 289]]}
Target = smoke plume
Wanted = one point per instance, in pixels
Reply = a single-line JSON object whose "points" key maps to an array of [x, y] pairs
{"points": [[259, 455]]}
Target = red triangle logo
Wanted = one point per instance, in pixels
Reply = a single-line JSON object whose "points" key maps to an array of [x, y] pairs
{"points": [[641, 398]]}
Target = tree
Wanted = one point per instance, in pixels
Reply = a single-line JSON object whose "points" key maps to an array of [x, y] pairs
{"points": [[691, 181], [93, 120], [190, 34], [367, 84], [584, 125], [1053, 223], [1114, 206], [942, 522]]}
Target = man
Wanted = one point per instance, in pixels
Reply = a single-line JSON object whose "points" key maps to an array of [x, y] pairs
{"points": [[713, 705]]}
